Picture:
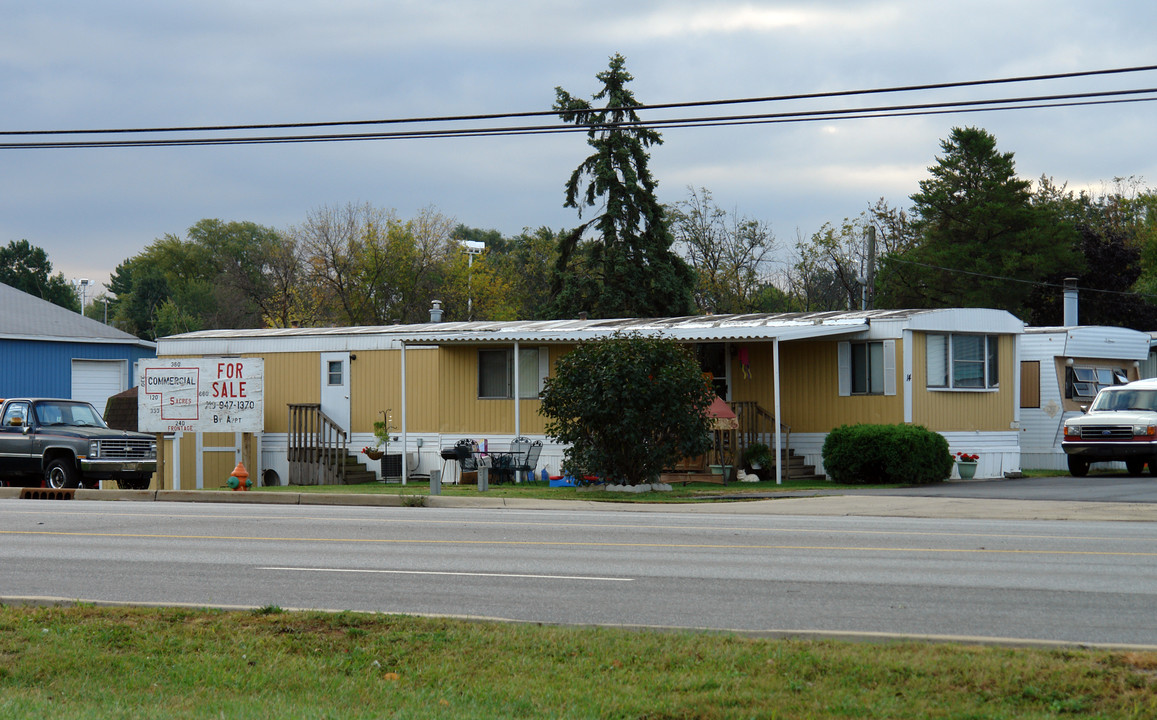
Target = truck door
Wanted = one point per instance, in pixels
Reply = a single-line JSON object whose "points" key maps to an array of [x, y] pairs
{"points": [[16, 440]]}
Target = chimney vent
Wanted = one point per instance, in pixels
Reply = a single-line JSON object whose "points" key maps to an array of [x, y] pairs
{"points": [[436, 312], [1070, 302]]}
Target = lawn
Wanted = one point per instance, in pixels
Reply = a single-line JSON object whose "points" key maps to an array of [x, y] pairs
{"points": [[87, 662]]}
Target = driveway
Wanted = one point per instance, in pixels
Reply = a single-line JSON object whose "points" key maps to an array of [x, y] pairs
{"points": [[1094, 488]]}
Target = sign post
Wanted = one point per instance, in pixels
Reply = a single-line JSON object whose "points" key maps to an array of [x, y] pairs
{"points": [[201, 395]]}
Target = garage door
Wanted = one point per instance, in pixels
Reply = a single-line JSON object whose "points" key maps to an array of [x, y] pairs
{"points": [[95, 381]]}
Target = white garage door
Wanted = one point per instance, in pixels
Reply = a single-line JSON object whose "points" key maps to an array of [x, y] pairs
{"points": [[95, 381]]}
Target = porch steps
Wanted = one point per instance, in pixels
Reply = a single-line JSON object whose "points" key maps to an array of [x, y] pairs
{"points": [[356, 472]]}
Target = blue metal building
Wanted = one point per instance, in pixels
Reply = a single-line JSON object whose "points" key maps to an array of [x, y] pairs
{"points": [[47, 350]]}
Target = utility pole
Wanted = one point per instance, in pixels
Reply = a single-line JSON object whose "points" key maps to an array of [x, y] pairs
{"points": [[870, 287]]}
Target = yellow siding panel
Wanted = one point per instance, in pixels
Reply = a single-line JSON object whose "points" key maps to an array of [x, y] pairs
{"points": [[948, 410], [289, 378]]}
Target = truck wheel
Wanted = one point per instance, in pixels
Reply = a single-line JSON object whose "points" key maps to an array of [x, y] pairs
{"points": [[1135, 466], [1078, 467], [61, 473]]}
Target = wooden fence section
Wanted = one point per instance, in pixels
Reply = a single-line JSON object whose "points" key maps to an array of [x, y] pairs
{"points": [[318, 447]]}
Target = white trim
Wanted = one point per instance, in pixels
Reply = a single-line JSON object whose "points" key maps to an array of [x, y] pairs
{"points": [[909, 351], [889, 367], [844, 365]]}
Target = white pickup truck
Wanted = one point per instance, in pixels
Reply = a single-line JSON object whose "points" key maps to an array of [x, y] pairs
{"points": [[66, 444], [1120, 425]]}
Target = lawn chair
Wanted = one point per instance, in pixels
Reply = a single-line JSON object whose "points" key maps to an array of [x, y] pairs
{"points": [[528, 461]]}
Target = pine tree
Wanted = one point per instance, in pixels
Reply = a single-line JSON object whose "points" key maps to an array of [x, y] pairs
{"points": [[629, 269]]}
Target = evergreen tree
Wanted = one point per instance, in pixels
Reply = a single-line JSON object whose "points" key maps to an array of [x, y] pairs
{"points": [[629, 269], [980, 240], [27, 268]]}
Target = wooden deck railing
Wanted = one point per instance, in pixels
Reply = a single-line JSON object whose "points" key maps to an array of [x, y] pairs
{"points": [[757, 425], [317, 447]]}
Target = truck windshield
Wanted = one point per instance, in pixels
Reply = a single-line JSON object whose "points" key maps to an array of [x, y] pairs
{"points": [[68, 413], [1124, 399]]}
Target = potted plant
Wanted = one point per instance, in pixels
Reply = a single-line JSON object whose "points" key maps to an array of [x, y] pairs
{"points": [[966, 465], [757, 456], [391, 464]]}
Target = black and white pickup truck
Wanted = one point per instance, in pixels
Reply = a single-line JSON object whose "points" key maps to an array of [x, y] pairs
{"points": [[66, 444]]}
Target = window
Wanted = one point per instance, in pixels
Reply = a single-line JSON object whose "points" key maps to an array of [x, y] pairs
{"points": [[1082, 382], [334, 372], [962, 362], [496, 372], [867, 368]]}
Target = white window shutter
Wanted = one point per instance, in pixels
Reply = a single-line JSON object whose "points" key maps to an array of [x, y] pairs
{"points": [[844, 356], [889, 367]]}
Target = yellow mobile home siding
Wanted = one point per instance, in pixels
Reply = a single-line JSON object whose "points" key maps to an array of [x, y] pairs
{"points": [[947, 410], [289, 378], [464, 412], [375, 386], [809, 382]]}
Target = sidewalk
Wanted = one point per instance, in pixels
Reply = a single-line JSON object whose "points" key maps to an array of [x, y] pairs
{"points": [[832, 505]]}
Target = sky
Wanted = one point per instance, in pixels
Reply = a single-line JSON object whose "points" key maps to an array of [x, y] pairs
{"points": [[82, 65]]}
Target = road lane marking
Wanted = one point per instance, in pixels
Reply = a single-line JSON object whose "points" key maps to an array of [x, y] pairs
{"points": [[596, 526], [450, 572], [582, 544]]}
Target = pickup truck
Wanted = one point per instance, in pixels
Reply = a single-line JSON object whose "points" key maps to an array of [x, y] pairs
{"points": [[66, 444], [1120, 425]]}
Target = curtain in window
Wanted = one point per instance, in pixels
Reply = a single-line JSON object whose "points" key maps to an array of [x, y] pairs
{"points": [[494, 373], [528, 373], [968, 360], [937, 352]]}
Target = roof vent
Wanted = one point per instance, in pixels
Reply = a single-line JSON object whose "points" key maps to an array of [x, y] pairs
{"points": [[436, 312]]}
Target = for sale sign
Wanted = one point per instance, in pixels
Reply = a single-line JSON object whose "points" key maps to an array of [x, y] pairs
{"points": [[202, 395]]}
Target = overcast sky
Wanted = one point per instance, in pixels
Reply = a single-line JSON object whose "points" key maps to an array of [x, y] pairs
{"points": [[118, 64]]}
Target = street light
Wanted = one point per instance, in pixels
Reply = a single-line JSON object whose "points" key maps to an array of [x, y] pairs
{"points": [[471, 248], [83, 282]]}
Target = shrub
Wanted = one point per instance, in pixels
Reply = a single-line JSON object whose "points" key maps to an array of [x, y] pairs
{"points": [[877, 454]]}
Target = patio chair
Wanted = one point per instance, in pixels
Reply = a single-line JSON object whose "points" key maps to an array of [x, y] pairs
{"points": [[529, 460]]}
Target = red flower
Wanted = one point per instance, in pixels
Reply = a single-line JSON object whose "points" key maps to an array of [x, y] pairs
{"points": [[965, 457]]}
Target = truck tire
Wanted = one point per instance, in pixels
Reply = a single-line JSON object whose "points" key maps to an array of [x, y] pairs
{"points": [[61, 473], [1078, 466]]}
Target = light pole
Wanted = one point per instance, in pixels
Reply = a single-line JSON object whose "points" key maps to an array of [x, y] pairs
{"points": [[83, 282], [471, 248]]}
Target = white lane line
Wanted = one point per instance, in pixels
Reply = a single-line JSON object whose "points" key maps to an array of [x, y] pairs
{"points": [[445, 572]]}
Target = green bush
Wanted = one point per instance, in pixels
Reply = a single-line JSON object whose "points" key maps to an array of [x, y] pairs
{"points": [[879, 454]]}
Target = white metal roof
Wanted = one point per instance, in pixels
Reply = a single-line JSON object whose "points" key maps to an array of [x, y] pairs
{"points": [[699, 328]]}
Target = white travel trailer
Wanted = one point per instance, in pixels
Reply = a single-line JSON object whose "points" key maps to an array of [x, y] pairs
{"points": [[1061, 370]]}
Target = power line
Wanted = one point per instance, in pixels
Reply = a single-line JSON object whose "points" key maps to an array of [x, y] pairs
{"points": [[1034, 283], [545, 113], [908, 110]]}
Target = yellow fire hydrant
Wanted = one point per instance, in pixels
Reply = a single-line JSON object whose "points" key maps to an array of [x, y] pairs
{"points": [[239, 478]]}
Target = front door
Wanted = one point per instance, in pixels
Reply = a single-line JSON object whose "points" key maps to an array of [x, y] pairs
{"points": [[335, 387]]}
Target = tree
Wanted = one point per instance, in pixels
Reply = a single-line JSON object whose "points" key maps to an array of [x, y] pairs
{"points": [[980, 240], [26, 268], [628, 268], [216, 278], [727, 252], [627, 407]]}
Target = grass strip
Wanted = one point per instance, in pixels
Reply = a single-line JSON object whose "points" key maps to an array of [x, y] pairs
{"points": [[88, 662]]}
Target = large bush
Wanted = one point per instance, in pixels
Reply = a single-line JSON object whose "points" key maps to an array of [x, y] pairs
{"points": [[878, 454], [628, 406]]}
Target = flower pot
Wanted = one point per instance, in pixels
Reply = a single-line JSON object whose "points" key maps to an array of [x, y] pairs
{"points": [[967, 470], [374, 454], [392, 466]]}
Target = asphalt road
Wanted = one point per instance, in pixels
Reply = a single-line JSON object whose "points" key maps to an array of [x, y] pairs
{"points": [[1094, 488], [1004, 580]]}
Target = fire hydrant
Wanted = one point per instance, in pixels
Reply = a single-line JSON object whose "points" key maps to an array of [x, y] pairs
{"points": [[239, 478]]}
